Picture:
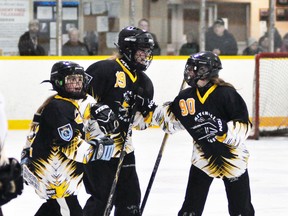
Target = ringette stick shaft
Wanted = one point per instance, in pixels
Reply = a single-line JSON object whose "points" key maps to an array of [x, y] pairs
{"points": [[158, 160], [121, 159]]}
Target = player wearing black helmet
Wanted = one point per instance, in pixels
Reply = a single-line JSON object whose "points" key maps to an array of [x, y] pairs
{"points": [[117, 83], [65, 135], [216, 117], [132, 41], [205, 66], [60, 73]]}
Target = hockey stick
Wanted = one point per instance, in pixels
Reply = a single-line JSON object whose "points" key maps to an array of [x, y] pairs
{"points": [[121, 159], [158, 159]]}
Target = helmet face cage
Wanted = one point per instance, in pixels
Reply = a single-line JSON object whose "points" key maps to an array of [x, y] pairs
{"points": [[131, 41], [204, 66], [59, 73]]}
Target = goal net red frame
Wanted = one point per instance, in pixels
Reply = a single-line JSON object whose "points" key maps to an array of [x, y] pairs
{"points": [[270, 97]]}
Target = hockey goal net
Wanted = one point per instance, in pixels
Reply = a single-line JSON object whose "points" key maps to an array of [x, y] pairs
{"points": [[270, 108]]}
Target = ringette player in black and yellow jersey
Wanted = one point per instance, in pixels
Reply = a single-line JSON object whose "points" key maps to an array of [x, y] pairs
{"points": [[120, 82], [216, 117], [65, 135]]}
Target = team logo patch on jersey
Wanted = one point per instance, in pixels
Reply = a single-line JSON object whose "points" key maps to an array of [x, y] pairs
{"points": [[65, 132], [89, 78]]}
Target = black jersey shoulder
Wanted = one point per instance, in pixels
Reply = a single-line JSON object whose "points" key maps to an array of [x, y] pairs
{"points": [[58, 112], [146, 84], [102, 77], [228, 94], [186, 93], [232, 102], [223, 100], [102, 70], [102, 67], [59, 104]]}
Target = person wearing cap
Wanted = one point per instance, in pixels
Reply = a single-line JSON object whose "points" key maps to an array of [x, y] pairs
{"points": [[219, 40], [28, 44], [253, 48]]}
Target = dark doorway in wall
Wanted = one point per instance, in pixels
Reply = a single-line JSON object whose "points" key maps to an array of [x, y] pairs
{"points": [[237, 16]]}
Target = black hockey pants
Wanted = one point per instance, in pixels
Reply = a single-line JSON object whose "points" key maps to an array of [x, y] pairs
{"points": [[98, 178], [237, 192]]}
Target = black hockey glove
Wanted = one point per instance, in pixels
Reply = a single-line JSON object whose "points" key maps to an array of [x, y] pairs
{"points": [[105, 117], [26, 157], [209, 128], [11, 181], [145, 105], [104, 148]]}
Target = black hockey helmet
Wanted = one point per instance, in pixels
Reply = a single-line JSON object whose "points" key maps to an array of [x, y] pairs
{"points": [[131, 39], [204, 65], [59, 72]]}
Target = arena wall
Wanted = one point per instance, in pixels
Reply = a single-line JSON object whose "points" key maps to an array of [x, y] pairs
{"points": [[21, 78]]}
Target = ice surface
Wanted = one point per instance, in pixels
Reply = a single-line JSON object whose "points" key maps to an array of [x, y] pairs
{"points": [[267, 169]]}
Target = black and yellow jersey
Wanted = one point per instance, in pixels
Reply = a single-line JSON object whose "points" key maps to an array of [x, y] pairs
{"points": [[113, 84], [58, 146], [224, 156]]}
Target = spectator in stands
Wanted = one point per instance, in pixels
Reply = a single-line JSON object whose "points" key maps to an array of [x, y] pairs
{"points": [[277, 37], [219, 40], [253, 48], [191, 46], [28, 44], [91, 42], [284, 46], [264, 43], [144, 25], [74, 47]]}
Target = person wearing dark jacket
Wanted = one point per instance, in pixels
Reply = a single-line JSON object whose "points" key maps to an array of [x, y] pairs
{"points": [[219, 40], [253, 47], [74, 47], [284, 46], [28, 44], [277, 37], [190, 47]]}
